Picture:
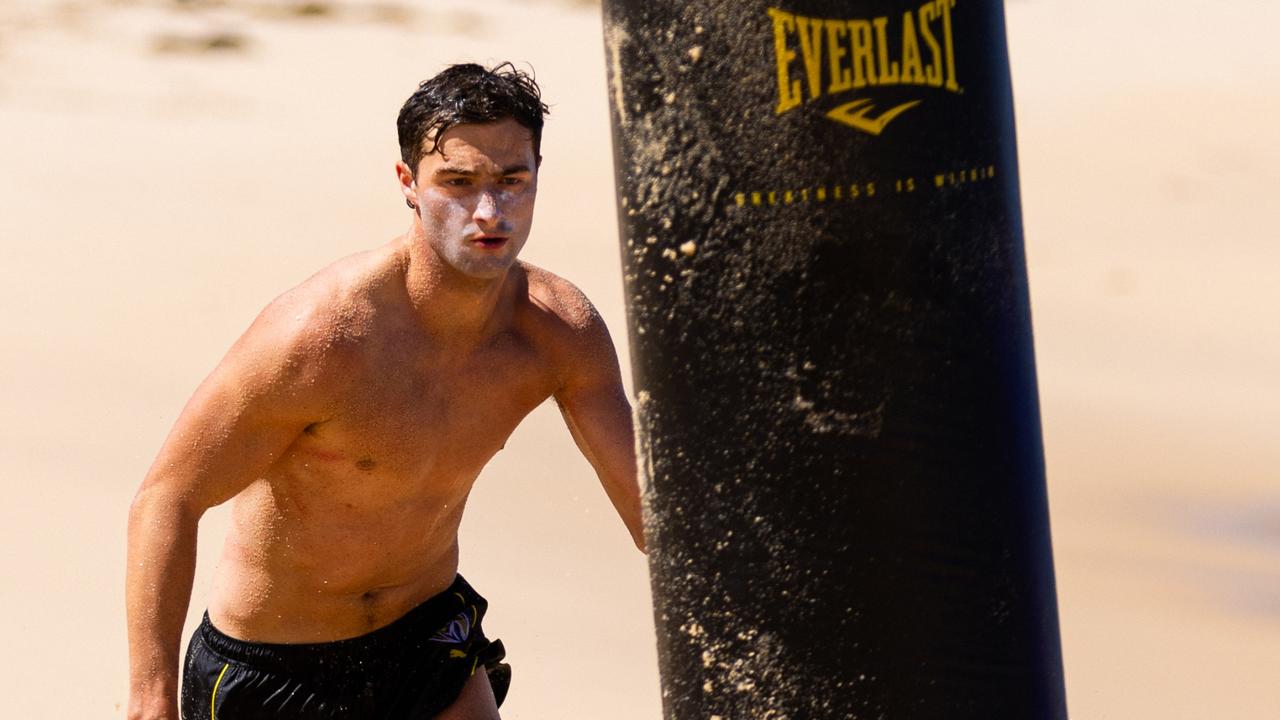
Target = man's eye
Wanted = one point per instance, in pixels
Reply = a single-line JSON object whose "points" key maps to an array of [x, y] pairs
{"points": [[457, 182], [512, 180]]}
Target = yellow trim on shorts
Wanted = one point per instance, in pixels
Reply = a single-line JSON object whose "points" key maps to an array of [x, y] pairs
{"points": [[213, 697]]}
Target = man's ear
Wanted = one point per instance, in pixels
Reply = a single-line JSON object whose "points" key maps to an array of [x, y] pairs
{"points": [[408, 186]]}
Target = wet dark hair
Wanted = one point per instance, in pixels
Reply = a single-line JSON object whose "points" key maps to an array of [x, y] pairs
{"points": [[468, 93]]}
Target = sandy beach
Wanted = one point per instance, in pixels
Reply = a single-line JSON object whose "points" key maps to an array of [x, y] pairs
{"points": [[167, 168]]}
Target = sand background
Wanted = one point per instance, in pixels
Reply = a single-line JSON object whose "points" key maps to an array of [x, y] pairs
{"points": [[165, 171]]}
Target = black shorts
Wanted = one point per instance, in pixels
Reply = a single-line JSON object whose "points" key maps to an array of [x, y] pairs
{"points": [[411, 669]]}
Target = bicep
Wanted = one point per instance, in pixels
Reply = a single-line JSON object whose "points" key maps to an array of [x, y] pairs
{"points": [[593, 401], [600, 420]]}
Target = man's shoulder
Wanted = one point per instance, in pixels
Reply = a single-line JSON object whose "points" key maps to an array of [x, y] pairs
{"points": [[575, 336], [299, 355], [561, 302], [326, 314]]}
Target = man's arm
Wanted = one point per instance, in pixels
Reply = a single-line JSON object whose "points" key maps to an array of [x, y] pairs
{"points": [[596, 409], [242, 417]]}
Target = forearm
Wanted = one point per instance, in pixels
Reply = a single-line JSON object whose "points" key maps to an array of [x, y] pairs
{"points": [[615, 464], [606, 440], [626, 501], [161, 565]]}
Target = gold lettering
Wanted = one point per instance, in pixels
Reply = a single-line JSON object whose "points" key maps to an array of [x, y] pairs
{"points": [[811, 52], [788, 89], [912, 72], [949, 42], [859, 52], [888, 70], [841, 77], [933, 73], [864, 65]]}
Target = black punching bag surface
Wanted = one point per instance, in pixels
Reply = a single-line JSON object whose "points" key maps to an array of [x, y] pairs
{"points": [[836, 398]]}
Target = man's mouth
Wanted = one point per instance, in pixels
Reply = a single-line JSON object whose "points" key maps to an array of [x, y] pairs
{"points": [[490, 242]]}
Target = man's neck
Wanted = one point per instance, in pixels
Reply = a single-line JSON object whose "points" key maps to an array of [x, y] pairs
{"points": [[452, 307]]}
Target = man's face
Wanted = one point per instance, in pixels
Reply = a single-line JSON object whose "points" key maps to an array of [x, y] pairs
{"points": [[475, 196]]}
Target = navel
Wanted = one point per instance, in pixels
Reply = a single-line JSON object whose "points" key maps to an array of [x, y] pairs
{"points": [[366, 463], [369, 600]]}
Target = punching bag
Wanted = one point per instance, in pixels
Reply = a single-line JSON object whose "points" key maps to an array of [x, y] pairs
{"points": [[838, 427]]}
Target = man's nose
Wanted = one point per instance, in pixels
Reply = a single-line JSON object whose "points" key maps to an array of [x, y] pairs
{"points": [[488, 211]]}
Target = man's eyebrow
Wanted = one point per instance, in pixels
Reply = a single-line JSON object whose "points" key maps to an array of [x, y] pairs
{"points": [[450, 170]]}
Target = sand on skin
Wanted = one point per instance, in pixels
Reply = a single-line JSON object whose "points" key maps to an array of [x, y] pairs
{"points": [[156, 193]]}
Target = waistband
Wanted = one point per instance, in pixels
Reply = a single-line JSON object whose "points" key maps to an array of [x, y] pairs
{"points": [[408, 630]]}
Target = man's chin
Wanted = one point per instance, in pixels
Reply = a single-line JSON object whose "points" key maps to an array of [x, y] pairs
{"points": [[488, 269]]}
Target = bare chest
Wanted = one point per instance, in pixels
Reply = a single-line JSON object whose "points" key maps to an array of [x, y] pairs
{"points": [[403, 428]]}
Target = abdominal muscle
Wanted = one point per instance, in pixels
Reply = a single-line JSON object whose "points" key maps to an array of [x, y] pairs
{"points": [[330, 567]]}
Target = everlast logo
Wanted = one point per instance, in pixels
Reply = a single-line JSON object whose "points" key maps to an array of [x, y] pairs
{"points": [[837, 56]]}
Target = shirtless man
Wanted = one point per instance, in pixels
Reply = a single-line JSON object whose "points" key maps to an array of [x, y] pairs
{"points": [[349, 424]]}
